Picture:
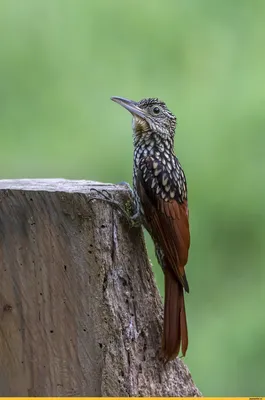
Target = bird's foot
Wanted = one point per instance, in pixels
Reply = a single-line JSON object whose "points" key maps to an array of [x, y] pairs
{"points": [[104, 195]]}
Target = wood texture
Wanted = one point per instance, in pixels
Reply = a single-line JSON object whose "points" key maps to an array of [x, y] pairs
{"points": [[80, 314]]}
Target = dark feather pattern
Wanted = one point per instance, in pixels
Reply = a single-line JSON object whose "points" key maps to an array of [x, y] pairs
{"points": [[166, 219]]}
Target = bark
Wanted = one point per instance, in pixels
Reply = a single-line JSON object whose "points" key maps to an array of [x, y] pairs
{"points": [[80, 313]]}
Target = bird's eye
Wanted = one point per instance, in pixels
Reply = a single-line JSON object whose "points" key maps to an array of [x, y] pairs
{"points": [[156, 110]]}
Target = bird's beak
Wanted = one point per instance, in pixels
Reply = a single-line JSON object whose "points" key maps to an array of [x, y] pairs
{"points": [[130, 105]]}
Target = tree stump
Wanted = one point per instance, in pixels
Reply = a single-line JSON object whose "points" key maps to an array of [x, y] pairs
{"points": [[80, 313]]}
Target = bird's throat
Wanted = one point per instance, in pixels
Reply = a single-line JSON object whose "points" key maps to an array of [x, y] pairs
{"points": [[140, 126]]}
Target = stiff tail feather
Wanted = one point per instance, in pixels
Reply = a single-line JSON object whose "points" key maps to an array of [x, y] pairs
{"points": [[175, 334]]}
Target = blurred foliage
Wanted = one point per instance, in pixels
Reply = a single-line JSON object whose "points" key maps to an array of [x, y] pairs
{"points": [[61, 60]]}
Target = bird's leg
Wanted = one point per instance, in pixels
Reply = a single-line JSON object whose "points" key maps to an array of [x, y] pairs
{"points": [[133, 220]]}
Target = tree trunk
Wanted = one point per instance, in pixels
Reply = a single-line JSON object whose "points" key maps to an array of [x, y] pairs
{"points": [[80, 313]]}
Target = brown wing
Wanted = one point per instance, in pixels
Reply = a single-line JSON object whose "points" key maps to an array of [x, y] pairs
{"points": [[167, 218]]}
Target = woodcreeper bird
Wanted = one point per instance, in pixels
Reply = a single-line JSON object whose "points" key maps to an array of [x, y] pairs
{"points": [[160, 195]]}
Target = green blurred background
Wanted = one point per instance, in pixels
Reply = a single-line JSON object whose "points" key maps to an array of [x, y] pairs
{"points": [[60, 61]]}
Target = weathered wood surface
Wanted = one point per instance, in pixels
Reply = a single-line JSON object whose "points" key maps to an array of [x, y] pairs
{"points": [[80, 313]]}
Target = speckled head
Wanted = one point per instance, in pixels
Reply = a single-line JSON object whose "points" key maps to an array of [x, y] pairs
{"points": [[149, 115]]}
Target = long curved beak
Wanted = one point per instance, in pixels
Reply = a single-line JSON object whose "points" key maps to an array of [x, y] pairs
{"points": [[130, 105]]}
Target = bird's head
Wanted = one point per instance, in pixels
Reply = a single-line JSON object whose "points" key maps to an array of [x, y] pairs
{"points": [[149, 115]]}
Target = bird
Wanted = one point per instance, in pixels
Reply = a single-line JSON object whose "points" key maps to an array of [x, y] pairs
{"points": [[161, 204]]}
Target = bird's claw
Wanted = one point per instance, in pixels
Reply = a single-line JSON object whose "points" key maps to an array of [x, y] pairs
{"points": [[108, 198], [104, 195], [103, 192]]}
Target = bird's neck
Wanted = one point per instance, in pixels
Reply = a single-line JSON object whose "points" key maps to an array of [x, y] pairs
{"points": [[149, 142]]}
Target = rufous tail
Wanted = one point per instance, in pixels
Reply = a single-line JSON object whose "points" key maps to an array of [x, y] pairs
{"points": [[175, 333]]}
